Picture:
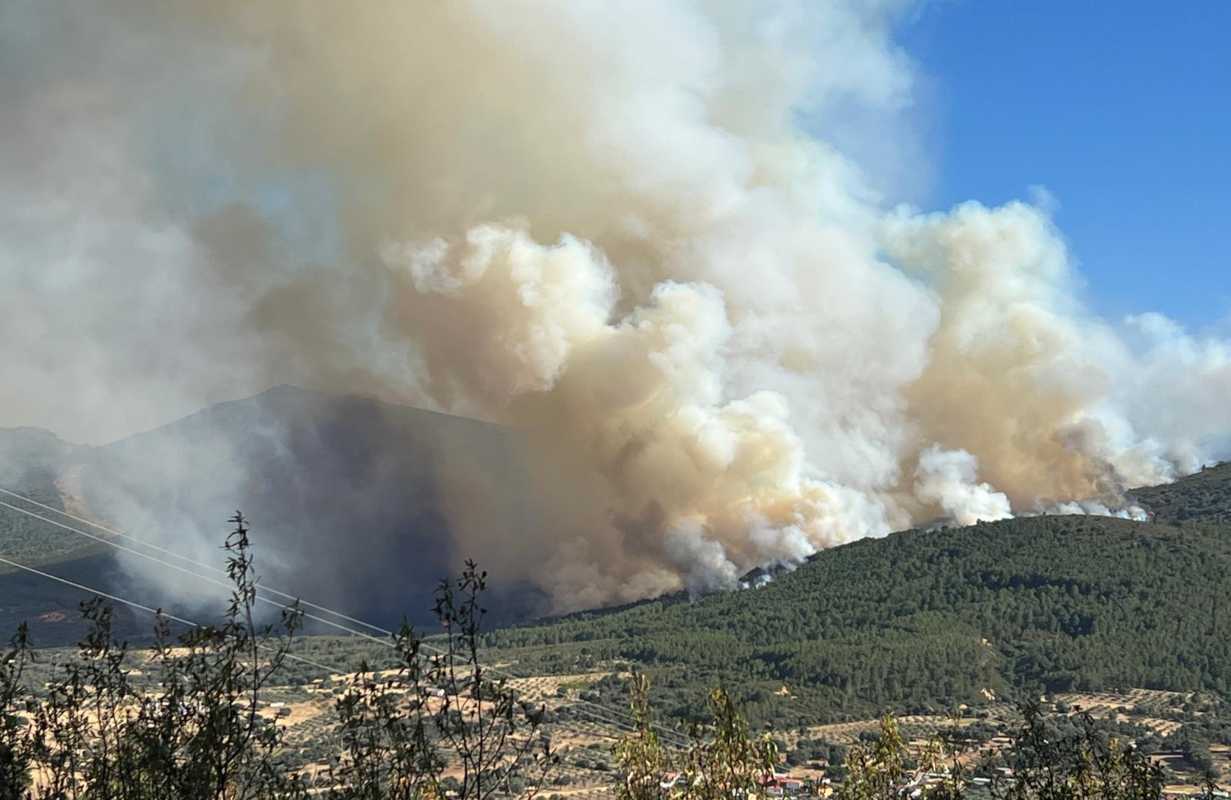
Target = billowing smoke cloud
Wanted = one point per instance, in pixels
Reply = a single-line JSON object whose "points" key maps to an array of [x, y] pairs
{"points": [[947, 479], [647, 234]]}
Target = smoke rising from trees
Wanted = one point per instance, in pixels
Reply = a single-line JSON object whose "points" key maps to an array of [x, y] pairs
{"points": [[647, 234]]}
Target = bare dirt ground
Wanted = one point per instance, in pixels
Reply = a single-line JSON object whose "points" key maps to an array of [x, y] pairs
{"points": [[299, 712], [1140, 706], [545, 686], [848, 732]]}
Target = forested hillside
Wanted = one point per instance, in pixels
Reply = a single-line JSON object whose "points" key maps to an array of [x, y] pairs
{"points": [[33, 463], [923, 620], [1205, 495]]}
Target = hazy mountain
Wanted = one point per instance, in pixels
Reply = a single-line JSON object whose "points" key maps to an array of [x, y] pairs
{"points": [[344, 496], [31, 460]]}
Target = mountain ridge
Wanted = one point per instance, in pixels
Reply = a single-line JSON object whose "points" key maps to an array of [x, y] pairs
{"points": [[315, 464]]}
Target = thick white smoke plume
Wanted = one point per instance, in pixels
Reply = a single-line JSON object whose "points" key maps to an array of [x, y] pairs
{"points": [[647, 233], [947, 479]]}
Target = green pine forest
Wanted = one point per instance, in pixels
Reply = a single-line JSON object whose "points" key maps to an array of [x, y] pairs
{"points": [[923, 621]]}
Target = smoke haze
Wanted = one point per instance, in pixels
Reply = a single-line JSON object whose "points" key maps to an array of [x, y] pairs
{"points": [[645, 234]]}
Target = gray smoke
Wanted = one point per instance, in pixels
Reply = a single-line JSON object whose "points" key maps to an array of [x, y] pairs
{"points": [[647, 234]]}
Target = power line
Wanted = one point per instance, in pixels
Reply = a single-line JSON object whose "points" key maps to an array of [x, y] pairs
{"points": [[614, 717], [604, 714], [171, 553], [190, 623], [156, 612], [383, 642], [185, 571]]}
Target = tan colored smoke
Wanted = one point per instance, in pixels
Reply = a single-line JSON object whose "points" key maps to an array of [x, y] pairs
{"points": [[605, 224]]}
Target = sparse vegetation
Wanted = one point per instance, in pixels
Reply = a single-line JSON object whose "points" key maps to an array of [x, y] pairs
{"points": [[192, 721], [1044, 758]]}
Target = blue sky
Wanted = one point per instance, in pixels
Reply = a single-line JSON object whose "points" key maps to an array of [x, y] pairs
{"points": [[1121, 110]]}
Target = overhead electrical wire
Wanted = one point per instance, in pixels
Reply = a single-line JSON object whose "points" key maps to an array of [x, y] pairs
{"points": [[183, 621], [141, 607], [593, 710]]}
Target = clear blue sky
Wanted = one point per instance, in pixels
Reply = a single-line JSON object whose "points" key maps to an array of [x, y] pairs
{"points": [[1122, 110]]}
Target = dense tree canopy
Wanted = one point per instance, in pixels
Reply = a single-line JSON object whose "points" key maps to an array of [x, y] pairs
{"points": [[930, 619]]}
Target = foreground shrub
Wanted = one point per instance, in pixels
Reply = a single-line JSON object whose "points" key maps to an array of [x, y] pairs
{"points": [[187, 725], [722, 760]]}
